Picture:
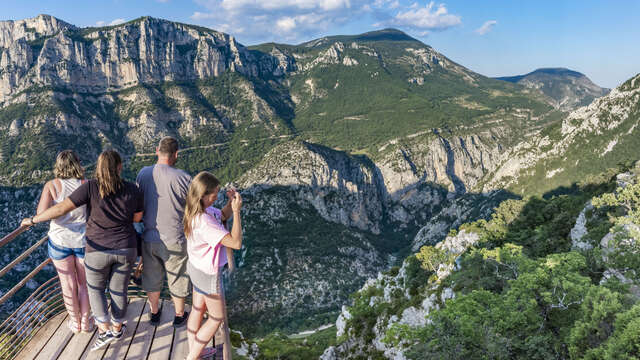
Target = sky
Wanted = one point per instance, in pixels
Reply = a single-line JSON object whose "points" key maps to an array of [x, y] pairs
{"points": [[491, 37]]}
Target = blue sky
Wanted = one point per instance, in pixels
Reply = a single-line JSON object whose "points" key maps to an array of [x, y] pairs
{"points": [[494, 38]]}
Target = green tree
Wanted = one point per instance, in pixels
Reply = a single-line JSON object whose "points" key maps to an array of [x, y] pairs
{"points": [[431, 257], [599, 310]]}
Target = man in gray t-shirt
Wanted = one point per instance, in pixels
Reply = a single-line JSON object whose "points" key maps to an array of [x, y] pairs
{"points": [[164, 249]]}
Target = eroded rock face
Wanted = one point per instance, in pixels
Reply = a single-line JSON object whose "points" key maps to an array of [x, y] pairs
{"points": [[29, 29], [459, 163], [341, 188], [45, 51]]}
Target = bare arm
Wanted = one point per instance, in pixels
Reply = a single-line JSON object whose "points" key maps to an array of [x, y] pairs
{"points": [[51, 213], [46, 199], [234, 239], [226, 211]]}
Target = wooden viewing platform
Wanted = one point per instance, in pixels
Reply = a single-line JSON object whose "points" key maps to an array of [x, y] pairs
{"points": [[141, 340], [38, 329]]}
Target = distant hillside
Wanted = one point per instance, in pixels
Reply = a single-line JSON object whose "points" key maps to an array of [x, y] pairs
{"points": [[567, 88]]}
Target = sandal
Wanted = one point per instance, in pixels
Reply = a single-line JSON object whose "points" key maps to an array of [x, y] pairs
{"points": [[73, 326], [88, 325]]}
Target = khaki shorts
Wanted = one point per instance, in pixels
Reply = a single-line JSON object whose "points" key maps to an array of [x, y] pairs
{"points": [[159, 258]]}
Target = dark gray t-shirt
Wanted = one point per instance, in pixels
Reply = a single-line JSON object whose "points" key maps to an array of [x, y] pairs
{"points": [[165, 191], [109, 220]]}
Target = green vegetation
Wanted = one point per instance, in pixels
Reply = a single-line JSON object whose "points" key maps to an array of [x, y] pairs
{"points": [[286, 259], [279, 346], [522, 292]]}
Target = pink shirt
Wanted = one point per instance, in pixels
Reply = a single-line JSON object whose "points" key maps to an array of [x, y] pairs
{"points": [[204, 242]]}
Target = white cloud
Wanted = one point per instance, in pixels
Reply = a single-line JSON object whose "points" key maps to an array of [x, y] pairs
{"points": [[284, 4], [100, 23], [299, 20], [117, 21], [291, 20], [486, 27], [286, 24], [428, 18]]}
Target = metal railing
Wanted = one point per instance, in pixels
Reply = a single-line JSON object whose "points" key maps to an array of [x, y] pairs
{"points": [[45, 302]]}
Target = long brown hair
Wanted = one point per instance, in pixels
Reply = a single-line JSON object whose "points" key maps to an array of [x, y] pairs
{"points": [[108, 173], [68, 166], [203, 184]]}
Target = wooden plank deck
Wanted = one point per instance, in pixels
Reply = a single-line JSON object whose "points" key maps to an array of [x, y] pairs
{"points": [[141, 340]]}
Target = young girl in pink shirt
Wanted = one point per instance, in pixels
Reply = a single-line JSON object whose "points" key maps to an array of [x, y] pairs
{"points": [[206, 241]]}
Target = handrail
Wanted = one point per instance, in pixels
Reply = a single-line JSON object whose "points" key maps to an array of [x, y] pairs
{"points": [[22, 256], [19, 327], [22, 282], [44, 303], [47, 301], [33, 297], [12, 235]]}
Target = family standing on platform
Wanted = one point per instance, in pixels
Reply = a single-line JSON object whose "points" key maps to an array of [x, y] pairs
{"points": [[93, 243]]}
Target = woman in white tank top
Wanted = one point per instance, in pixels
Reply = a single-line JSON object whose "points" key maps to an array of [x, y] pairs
{"points": [[66, 240]]}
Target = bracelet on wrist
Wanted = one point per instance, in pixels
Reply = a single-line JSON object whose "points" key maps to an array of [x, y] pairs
{"points": [[32, 221]]}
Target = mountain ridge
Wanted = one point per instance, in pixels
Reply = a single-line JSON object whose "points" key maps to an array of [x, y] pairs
{"points": [[569, 89]]}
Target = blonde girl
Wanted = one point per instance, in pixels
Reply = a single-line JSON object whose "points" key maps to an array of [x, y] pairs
{"points": [[206, 241], [66, 239]]}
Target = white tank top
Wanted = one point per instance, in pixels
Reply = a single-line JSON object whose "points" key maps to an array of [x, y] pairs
{"points": [[68, 230]]}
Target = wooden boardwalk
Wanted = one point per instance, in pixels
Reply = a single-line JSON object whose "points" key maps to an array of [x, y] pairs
{"points": [[141, 339]]}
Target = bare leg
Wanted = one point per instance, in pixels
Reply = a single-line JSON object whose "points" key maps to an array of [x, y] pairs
{"points": [[178, 303], [209, 328], [154, 301], [198, 309], [83, 295], [69, 284]]}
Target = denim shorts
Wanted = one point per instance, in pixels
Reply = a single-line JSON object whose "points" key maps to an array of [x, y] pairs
{"points": [[57, 252]]}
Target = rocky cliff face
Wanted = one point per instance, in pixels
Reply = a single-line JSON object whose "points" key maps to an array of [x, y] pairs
{"points": [[96, 60], [126, 86], [308, 204], [30, 29]]}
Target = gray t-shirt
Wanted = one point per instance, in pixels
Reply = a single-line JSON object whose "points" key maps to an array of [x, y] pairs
{"points": [[165, 192]]}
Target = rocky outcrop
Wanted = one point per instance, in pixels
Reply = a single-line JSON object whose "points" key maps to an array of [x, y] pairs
{"points": [[459, 163], [391, 290], [30, 29], [341, 188], [579, 230]]}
